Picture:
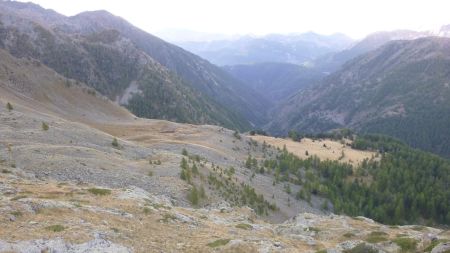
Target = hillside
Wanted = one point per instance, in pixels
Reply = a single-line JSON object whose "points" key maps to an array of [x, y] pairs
{"points": [[275, 81], [400, 90], [291, 48], [333, 61], [78, 173], [78, 144], [124, 63], [210, 80]]}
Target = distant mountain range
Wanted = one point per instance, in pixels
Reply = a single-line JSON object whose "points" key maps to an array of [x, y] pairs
{"points": [[151, 77], [293, 48], [401, 89]]}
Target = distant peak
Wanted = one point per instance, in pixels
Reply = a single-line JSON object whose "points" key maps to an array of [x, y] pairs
{"points": [[22, 5], [97, 13]]}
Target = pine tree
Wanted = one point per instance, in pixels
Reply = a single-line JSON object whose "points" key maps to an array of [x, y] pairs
{"points": [[194, 169], [9, 106], [248, 163], [115, 143], [184, 164], [44, 126], [193, 196], [183, 175]]}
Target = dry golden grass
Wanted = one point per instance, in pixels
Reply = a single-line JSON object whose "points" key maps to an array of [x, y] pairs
{"points": [[332, 150]]}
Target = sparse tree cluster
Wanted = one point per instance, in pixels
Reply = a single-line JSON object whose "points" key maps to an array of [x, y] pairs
{"points": [[405, 186]]}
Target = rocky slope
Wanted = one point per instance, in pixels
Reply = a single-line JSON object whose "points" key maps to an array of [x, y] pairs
{"points": [[51, 216], [400, 90], [77, 144]]}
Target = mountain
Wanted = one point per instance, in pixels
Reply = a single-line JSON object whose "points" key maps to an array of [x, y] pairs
{"points": [[275, 81], [293, 48], [77, 171], [444, 31], [210, 80], [128, 65], [333, 61], [27, 83], [185, 35], [401, 89]]}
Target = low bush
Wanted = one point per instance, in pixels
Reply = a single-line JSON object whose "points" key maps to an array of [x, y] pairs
{"points": [[98, 191], [55, 228], [218, 243]]}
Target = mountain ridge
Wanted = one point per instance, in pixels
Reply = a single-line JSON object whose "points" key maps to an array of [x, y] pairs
{"points": [[290, 48], [74, 46], [399, 82]]}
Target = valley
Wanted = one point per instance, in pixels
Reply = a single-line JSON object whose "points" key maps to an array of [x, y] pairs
{"points": [[114, 140]]}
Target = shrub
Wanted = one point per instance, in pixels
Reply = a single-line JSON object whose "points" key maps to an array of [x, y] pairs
{"points": [[9, 106], [147, 210], [348, 235], [167, 217], [184, 152], [376, 237], [361, 248], [99, 191], [16, 213], [55, 228], [406, 244], [115, 143], [244, 226], [218, 243], [432, 245], [314, 229], [44, 126], [237, 135]]}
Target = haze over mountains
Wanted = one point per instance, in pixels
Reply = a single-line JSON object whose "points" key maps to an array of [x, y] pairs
{"points": [[293, 48]]}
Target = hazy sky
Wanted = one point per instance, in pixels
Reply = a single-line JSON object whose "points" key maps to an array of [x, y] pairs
{"points": [[355, 18]]}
